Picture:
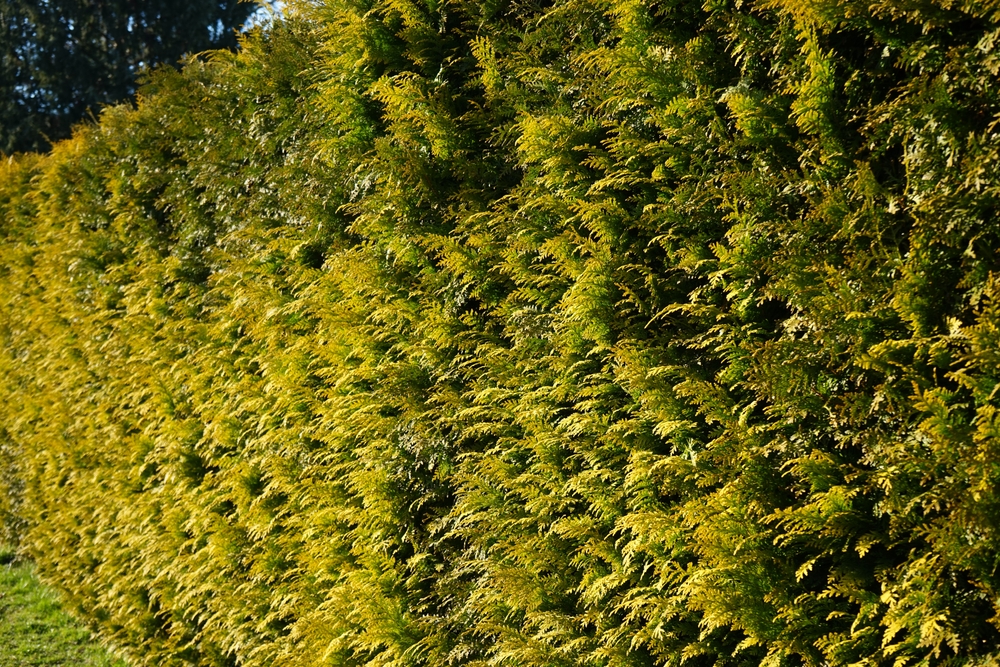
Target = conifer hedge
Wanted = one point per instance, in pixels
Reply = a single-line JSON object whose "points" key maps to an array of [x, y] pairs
{"points": [[608, 333]]}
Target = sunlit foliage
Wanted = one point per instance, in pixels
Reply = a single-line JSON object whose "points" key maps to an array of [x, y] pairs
{"points": [[588, 333]]}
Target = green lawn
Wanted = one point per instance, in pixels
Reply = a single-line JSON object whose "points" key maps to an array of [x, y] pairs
{"points": [[34, 630]]}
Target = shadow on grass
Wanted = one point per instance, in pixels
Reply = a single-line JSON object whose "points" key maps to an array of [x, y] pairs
{"points": [[34, 630]]}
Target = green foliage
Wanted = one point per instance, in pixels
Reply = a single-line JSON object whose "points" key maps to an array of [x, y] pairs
{"points": [[528, 334]]}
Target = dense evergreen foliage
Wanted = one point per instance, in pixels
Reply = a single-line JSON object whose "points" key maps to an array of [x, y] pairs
{"points": [[524, 334], [61, 60]]}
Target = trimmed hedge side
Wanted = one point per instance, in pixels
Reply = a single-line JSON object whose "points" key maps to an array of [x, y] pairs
{"points": [[525, 334]]}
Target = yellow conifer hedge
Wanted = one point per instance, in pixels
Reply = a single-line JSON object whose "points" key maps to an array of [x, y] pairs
{"points": [[529, 334]]}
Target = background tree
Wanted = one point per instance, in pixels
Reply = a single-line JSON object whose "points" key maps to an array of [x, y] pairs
{"points": [[63, 59]]}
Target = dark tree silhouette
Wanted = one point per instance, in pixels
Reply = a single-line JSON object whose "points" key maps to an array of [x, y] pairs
{"points": [[63, 59]]}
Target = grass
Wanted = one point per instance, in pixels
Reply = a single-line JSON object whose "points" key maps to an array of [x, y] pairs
{"points": [[34, 630]]}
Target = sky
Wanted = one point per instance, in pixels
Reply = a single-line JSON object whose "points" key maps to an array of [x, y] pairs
{"points": [[266, 11]]}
